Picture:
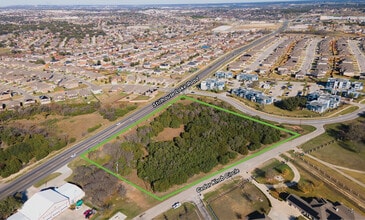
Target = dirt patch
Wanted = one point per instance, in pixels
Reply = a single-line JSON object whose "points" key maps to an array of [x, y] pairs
{"points": [[77, 126], [296, 128], [135, 194], [169, 133], [128, 98], [133, 177], [238, 202]]}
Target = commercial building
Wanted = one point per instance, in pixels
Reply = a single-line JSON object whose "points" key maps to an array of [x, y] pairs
{"points": [[49, 203]]}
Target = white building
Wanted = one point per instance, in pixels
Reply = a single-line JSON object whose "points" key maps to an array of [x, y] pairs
{"points": [[212, 84], [49, 203]]}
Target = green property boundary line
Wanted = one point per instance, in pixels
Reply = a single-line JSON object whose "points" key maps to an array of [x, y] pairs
{"points": [[83, 156]]}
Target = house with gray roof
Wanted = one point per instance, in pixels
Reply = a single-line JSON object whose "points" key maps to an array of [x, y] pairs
{"points": [[321, 209]]}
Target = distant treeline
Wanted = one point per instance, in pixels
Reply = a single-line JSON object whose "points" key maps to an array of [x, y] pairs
{"points": [[110, 113]]}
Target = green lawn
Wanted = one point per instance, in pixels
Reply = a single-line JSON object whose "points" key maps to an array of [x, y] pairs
{"points": [[47, 179], [187, 211]]}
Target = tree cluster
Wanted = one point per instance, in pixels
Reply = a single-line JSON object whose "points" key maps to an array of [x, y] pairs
{"points": [[210, 137], [123, 156], [19, 146], [98, 185], [8, 206], [54, 108], [291, 103], [113, 114], [75, 109], [352, 136]]}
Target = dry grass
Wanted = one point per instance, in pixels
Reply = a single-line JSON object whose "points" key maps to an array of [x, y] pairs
{"points": [[239, 202], [77, 126], [169, 133]]}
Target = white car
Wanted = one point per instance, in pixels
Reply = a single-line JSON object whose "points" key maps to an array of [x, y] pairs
{"points": [[73, 155], [176, 205]]}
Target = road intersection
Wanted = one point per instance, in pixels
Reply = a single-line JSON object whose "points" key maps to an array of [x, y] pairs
{"points": [[29, 178]]}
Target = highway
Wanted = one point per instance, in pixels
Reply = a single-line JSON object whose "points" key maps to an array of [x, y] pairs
{"points": [[29, 178], [33, 175]]}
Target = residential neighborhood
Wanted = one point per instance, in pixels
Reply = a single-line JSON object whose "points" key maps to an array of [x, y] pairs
{"points": [[184, 109]]}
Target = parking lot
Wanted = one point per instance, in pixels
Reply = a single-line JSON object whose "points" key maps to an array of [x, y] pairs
{"points": [[73, 214], [281, 89]]}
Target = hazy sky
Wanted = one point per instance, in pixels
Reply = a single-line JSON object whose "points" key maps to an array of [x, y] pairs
{"points": [[119, 2]]}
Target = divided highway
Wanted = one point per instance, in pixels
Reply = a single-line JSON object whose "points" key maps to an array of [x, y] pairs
{"points": [[32, 176]]}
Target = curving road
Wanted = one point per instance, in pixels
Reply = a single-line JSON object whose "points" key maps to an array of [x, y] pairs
{"points": [[29, 178], [280, 119]]}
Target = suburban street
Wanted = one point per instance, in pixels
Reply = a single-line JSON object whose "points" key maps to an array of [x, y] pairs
{"points": [[309, 55], [29, 178], [358, 54]]}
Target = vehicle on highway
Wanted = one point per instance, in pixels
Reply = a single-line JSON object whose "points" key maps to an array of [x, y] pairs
{"points": [[73, 155], [118, 123], [176, 205]]}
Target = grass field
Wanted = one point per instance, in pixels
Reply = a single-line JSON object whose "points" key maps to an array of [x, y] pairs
{"points": [[347, 110], [319, 189], [141, 98], [356, 175], [305, 113], [237, 202], [354, 186], [187, 211], [47, 179], [275, 168], [335, 153]]}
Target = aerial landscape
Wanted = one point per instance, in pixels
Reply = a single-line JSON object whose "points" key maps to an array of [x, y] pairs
{"points": [[182, 109]]}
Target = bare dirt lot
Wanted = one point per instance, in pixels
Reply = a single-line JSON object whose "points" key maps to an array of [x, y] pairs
{"points": [[169, 133]]}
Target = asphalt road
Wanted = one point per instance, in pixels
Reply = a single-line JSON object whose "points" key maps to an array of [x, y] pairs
{"points": [[245, 167], [32, 176], [191, 194], [305, 121]]}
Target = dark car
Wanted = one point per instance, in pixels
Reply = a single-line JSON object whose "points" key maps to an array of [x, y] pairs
{"points": [[87, 212]]}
